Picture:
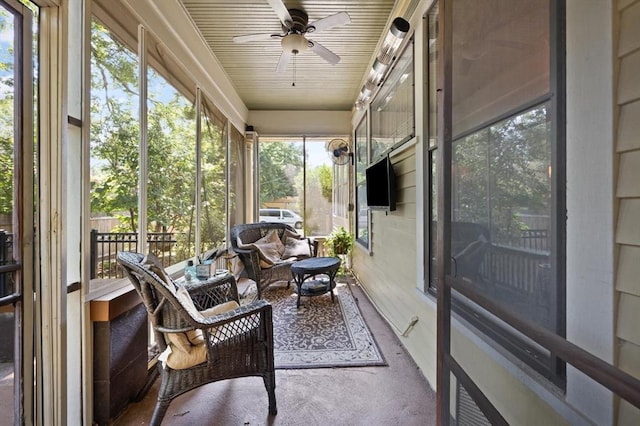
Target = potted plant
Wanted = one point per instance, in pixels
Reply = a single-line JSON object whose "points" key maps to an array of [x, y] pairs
{"points": [[340, 242]]}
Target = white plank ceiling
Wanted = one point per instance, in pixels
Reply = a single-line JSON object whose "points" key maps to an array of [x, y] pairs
{"points": [[318, 84]]}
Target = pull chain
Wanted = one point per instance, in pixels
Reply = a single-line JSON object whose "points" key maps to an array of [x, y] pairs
{"points": [[294, 67]]}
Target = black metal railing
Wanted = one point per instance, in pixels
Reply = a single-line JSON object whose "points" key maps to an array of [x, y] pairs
{"points": [[535, 239], [6, 258], [105, 246]]}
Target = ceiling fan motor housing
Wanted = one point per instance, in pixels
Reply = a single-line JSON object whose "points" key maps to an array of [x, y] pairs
{"points": [[300, 21]]}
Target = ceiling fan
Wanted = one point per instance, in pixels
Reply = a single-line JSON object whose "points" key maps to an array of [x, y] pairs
{"points": [[295, 24]]}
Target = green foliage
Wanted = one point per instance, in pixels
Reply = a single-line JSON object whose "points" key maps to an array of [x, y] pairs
{"points": [[6, 154], [114, 129], [6, 55], [501, 172], [339, 242], [213, 185], [280, 163], [171, 153], [6, 121], [325, 177]]}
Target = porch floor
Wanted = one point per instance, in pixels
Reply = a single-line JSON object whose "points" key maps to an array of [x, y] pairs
{"points": [[394, 395]]}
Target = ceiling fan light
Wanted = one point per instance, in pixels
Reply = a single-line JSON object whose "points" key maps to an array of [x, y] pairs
{"points": [[294, 43]]}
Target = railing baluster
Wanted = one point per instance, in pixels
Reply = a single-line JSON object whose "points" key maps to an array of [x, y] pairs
{"points": [[105, 245]]}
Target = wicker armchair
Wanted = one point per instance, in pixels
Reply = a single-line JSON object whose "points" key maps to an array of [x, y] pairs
{"points": [[238, 342], [265, 276]]}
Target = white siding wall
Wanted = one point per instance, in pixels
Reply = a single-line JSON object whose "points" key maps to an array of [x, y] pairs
{"points": [[628, 197], [388, 273], [392, 275]]}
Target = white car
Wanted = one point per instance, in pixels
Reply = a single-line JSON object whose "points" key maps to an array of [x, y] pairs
{"points": [[281, 216]]}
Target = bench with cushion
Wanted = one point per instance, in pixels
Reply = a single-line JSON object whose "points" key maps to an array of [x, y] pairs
{"points": [[268, 250]]}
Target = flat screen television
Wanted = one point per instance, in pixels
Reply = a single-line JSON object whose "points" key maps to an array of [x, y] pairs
{"points": [[381, 185]]}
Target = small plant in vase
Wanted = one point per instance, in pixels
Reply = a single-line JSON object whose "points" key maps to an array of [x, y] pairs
{"points": [[339, 244]]}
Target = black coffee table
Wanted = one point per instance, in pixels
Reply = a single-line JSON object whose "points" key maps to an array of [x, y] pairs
{"points": [[308, 268]]}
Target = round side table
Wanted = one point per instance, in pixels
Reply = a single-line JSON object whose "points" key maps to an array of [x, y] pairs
{"points": [[308, 268]]}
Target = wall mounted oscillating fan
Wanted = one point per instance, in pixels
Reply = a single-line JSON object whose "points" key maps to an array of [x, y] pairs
{"points": [[338, 150]]}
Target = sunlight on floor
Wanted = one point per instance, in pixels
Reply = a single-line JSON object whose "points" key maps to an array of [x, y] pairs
{"points": [[6, 393], [6, 374]]}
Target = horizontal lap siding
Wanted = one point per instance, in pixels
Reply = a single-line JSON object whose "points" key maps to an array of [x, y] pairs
{"points": [[388, 273], [628, 196], [393, 234]]}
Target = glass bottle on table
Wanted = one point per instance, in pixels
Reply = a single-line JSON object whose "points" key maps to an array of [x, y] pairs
{"points": [[189, 271]]}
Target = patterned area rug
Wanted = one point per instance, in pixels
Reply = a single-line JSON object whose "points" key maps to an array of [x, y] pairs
{"points": [[320, 333]]}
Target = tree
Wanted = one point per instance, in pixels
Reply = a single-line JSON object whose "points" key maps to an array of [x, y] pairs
{"points": [[325, 178], [280, 163], [115, 141], [114, 129], [213, 188], [6, 120], [171, 154], [6, 152], [500, 172]]}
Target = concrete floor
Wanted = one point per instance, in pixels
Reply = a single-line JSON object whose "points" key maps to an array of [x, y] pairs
{"points": [[6, 393], [394, 395]]}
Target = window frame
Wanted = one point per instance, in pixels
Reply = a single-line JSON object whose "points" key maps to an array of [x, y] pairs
{"points": [[129, 35], [482, 321], [386, 89], [361, 147]]}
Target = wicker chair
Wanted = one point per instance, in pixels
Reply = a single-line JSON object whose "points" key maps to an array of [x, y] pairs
{"points": [[238, 343], [263, 277]]}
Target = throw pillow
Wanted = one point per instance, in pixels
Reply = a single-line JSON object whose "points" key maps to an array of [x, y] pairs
{"points": [[296, 248], [185, 300], [236, 266], [195, 337], [153, 264], [269, 247], [290, 234]]}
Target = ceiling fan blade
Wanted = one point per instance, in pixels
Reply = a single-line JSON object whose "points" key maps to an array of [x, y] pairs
{"points": [[283, 13], [331, 21], [324, 53], [283, 63], [254, 37]]}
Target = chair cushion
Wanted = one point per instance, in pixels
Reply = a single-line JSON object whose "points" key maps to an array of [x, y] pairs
{"points": [[220, 309], [188, 349], [180, 341], [184, 342], [179, 360]]}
